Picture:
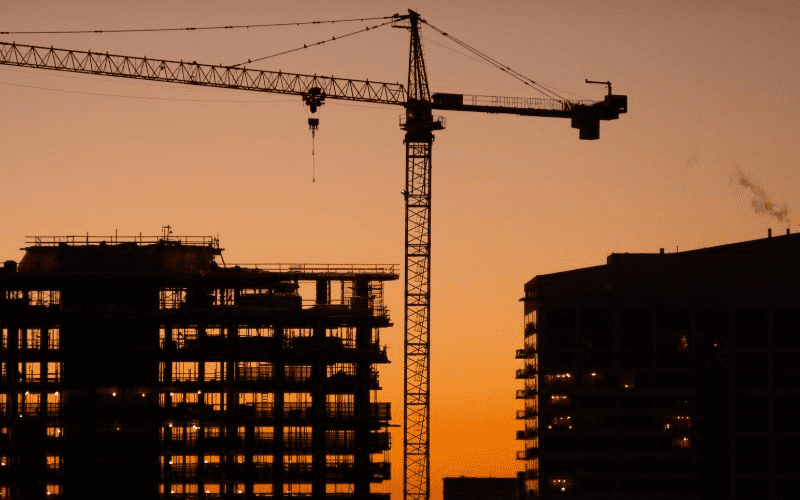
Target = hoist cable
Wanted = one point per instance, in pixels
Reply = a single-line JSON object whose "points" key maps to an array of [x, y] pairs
{"points": [[196, 28]]}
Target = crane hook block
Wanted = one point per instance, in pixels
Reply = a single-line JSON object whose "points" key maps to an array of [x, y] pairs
{"points": [[313, 124], [314, 98]]}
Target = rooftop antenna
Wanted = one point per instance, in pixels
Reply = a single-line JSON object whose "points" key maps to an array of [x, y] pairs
{"points": [[166, 231]]}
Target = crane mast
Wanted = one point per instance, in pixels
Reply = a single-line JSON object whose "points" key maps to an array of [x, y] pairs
{"points": [[419, 125], [418, 122]]}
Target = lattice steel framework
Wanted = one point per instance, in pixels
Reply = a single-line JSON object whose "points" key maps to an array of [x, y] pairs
{"points": [[416, 421]]}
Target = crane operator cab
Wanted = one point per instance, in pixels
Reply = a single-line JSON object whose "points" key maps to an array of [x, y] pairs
{"points": [[586, 117]]}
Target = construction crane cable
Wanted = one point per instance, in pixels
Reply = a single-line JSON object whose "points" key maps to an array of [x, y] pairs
{"points": [[470, 56], [502, 67], [306, 46], [191, 28]]}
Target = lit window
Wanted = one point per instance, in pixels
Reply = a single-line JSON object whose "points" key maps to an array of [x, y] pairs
{"points": [[53, 403], [215, 331], [682, 443], [44, 297], [223, 297], [54, 371], [54, 338], [214, 371], [182, 337], [53, 462], [297, 373], [252, 371], [30, 338], [31, 372], [185, 371], [53, 489], [54, 432], [249, 331], [171, 298], [264, 434], [29, 403]]}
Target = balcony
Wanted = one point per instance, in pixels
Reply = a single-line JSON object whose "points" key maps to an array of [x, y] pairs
{"points": [[527, 372], [527, 413], [526, 353], [528, 453], [526, 393]]}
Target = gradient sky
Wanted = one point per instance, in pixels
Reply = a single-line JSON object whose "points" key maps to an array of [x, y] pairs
{"points": [[713, 91]]}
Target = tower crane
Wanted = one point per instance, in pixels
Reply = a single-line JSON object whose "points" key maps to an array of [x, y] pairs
{"points": [[419, 124]]}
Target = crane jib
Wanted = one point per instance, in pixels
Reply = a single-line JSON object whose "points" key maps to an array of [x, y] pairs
{"points": [[194, 73]]}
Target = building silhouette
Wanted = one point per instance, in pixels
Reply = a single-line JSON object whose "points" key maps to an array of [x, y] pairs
{"points": [[141, 368], [482, 488], [668, 375]]}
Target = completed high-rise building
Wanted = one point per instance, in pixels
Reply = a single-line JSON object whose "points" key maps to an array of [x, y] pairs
{"points": [[665, 375]]}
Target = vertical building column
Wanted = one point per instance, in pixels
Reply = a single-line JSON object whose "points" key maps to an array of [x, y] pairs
{"points": [[363, 418], [318, 372], [279, 374]]}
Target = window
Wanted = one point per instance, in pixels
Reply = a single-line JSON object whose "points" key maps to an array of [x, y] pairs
{"points": [[171, 298], [297, 373], [184, 371], [212, 432], [28, 403], [14, 295], [223, 297], [682, 443], [54, 338], [339, 405], [183, 336], [297, 437], [339, 439], [53, 489], [215, 400], [54, 371], [30, 338], [53, 462], [5, 338], [250, 331], [53, 403], [253, 371], [213, 371], [54, 432], [215, 331], [264, 434], [30, 371], [44, 297], [261, 402], [3, 404]]}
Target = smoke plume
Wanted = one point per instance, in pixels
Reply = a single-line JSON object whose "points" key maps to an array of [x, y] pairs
{"points": [[761, 202]]}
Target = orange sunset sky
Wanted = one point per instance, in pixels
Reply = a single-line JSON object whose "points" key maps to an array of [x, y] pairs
{"points": [[713, 90]]}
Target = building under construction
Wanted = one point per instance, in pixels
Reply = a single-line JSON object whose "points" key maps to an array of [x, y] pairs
{"points": [[665, 375], [142, 368]]}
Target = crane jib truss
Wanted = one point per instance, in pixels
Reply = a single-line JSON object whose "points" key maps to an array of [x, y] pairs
{"points": [[419, 125]]}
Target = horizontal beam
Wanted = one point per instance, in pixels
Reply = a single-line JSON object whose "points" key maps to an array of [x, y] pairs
{"points": [[193, 73]]}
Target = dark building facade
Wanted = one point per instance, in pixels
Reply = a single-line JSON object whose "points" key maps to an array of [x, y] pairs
{"points": [[145, 370], [662, 376], [482, 488]]}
